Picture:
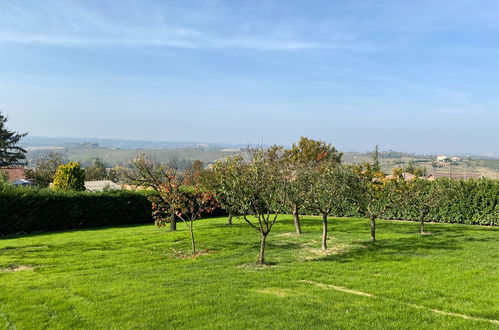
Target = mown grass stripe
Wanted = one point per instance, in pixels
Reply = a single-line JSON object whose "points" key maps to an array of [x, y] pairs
{"points": [[359, 293], [338, 288]]}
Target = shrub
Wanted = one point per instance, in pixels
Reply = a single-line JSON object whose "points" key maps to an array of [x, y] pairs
{"points": [[69, 177], [463, 201], [24, 210]]}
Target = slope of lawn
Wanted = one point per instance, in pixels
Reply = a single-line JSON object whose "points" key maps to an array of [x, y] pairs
{"points": [[137, 277]]}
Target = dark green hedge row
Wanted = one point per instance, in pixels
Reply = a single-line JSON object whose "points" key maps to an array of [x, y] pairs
{"points": [[473, 202], [24, 210]]}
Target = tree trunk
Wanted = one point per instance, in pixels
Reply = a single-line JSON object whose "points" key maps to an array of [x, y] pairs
{"points": [[173, 222], [324, 231], [229, 219], [296, 218], [191, 230], [421, 225], [261, 257], [373, 229]]}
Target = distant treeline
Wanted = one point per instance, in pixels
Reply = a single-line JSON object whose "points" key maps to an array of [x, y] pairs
{"points": [[398, 154]]}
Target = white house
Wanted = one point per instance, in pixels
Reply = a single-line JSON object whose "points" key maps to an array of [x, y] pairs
{"points": [[101, 185]]}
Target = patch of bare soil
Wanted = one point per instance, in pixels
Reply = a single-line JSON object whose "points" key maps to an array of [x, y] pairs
{"points": [[288, 235], [189, 255], [15, 268], [256, 267], [313, 253]]}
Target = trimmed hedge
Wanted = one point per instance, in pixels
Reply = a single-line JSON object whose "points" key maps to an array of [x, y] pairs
{"points": [[25, 210], [474, 202]]}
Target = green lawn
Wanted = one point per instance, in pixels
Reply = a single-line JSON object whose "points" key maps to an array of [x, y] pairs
{"points": [[132, 277]]}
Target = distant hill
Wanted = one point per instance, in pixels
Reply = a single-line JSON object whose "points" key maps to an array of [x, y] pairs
{"points": [[37, 141], [119, 151]]}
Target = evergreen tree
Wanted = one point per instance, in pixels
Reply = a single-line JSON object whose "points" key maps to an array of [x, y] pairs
{"points": [[97, 171], [10, 152], [375, 156]]}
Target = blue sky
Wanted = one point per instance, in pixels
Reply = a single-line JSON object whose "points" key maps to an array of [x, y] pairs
{"points": [[418, 76]]}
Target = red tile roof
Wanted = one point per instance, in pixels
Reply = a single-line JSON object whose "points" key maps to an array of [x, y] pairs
{"points": [[13, 173]]}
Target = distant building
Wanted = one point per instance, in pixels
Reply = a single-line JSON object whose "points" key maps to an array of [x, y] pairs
{"points": [[14, 173], [456, 176], [456, 159], [442, 158], [101, 185], [406, 176]]}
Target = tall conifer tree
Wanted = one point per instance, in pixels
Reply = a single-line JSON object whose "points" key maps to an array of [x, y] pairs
{"points": [[10, 152]]}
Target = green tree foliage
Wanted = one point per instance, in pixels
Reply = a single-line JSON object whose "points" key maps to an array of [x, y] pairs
{"points": [[114, 174], [379, 194], [10, 151], [4, 180], [333, 188], [375, 155], [69, 177], [413, 169], [299, 186], [308, 151], [96, 171], [257, 189], [44, 172], [223, 181], [301, 157], [423, 195]]}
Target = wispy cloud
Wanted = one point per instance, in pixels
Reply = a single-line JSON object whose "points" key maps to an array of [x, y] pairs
{"points": [[76, 25], [152, 38]]}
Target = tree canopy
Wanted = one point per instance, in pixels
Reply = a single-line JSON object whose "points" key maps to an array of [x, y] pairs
{"points": [[256, 190], [96, 171], [308, 151], [44, 172], [10, 151], [70, 177]]}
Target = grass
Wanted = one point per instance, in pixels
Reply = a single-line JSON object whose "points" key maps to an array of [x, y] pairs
{"points": [[138, 277]]}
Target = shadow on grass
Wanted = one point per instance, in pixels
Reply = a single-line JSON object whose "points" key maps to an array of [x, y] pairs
{"points": [[180, 227], [69, 230], [396, 249]]}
